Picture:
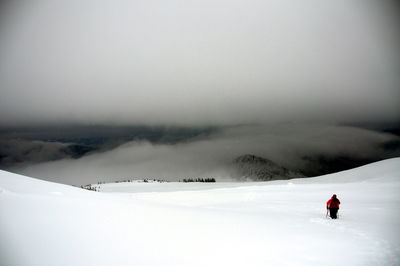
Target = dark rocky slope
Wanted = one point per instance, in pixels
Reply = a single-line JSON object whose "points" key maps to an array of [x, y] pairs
{"points": [[255, 168]]}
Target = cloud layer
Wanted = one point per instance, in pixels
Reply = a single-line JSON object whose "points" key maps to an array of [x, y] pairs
{"points": [[198, 62], [287, 145]]}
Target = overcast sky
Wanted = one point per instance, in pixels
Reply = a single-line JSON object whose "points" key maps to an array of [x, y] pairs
{"points": [[198, 62], [290, 73]]}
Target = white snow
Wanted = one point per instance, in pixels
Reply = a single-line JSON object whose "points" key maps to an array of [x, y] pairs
{"points": [[264, 223]]}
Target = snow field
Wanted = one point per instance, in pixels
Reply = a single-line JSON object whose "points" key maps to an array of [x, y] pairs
{"points": [[265, 223]]}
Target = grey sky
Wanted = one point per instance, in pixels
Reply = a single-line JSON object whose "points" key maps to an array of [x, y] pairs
{"points": [[198, 62]]}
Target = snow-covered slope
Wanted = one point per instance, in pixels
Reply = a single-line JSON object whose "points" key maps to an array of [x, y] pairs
{"points": [[271, 223]]}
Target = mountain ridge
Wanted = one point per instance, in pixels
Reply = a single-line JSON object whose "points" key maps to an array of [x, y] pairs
{"points": [[256, 168]]}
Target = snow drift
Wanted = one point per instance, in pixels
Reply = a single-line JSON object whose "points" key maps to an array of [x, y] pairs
{"points": [[263, 223]]}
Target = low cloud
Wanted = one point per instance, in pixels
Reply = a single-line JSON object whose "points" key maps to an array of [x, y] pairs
{"points": [[16, 151], [287, 145]]}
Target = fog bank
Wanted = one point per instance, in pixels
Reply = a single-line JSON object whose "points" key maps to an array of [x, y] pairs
{"points": [[291, 146]]}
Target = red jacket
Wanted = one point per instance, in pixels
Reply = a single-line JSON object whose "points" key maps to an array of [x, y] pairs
{"points": [[333, 203]]}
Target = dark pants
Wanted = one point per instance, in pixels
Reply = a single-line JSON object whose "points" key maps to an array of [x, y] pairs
{"points": [[333, 212]]}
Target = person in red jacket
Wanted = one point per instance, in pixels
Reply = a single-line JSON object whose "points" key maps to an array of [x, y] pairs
{"points": [[333, 206]]}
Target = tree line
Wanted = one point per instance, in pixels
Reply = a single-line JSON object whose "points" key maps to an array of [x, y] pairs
{"points": [[204, 180]]}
